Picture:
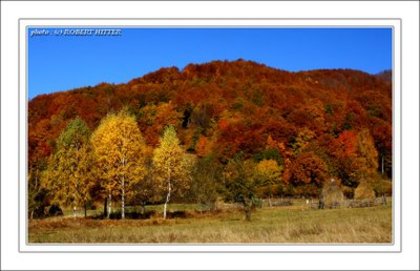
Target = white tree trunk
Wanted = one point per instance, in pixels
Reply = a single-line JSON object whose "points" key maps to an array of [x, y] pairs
{"points": [[123, 199], [109, 205], [168, 196]]}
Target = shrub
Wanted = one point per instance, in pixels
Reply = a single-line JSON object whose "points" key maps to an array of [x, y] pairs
{"points": [[55, 210]]}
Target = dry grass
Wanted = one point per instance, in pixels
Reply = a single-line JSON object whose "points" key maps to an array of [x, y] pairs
{"points": [[294, 224]]}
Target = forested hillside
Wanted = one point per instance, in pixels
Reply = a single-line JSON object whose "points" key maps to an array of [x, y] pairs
{"points": [[314, 124]]}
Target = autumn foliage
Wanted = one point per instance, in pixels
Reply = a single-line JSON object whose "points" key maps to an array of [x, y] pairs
{"points": [[296, 129]]}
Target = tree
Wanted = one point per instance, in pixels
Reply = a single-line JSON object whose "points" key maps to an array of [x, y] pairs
{"points": [[119, 149], [207, 181], [367, 154], [382, 133], [268, 171], [69, 173], [153, 118], [36, 193], [307, 168], [172, 165], [303, 138], [241, 183], [144, 191], [356, 156]]}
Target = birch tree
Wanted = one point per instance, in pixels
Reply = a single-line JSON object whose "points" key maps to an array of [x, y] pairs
{"points": [[69, 174], [119, 150], [172, 165]]}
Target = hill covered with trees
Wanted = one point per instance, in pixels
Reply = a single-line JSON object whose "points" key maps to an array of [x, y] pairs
{"points": [[248, 129]]}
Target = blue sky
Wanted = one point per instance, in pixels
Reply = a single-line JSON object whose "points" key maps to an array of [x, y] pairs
{"points": [[58, 63]]}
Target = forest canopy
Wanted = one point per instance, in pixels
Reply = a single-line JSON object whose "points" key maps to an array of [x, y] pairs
{"points": [[296, 129]]}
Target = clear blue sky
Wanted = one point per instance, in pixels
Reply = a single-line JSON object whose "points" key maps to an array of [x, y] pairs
{"points": [[58, 63]]}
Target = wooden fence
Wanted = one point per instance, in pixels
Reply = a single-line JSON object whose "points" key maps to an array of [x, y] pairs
{"points": [[315, 203]]}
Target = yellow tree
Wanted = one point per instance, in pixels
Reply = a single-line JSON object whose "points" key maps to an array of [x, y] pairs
{"points": [[367, 154], [69, 174], [366, 164], [172, 165], [268, 171], [119, 151]]}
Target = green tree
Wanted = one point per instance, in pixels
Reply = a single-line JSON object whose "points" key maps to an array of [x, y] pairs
{"points": [[207, 181], [119, 150], [242, 183], [172, 165], [69, 174]]}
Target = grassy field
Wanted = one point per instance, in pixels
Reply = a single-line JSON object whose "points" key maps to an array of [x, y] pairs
{"points": [[292, 224]]}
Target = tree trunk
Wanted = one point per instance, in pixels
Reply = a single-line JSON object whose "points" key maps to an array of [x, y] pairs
{"points": [[382, 164], [321, 203], [168, 196], [85, 209], [143, 207], [123, 199], [247, 209], [105, 207], [269, 201], [384, 199], [109, 205], [36, 178], [248, 213]]}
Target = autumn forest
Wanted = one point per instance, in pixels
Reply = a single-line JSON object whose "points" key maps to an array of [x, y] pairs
{"points": [[212, 134]]}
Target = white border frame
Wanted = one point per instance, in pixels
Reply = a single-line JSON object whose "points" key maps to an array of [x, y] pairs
{"points": [[395, 24]]}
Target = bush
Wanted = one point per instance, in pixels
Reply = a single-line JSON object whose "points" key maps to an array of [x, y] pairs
{"points": [[55, 210]]}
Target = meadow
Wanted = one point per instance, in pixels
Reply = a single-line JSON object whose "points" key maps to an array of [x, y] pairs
{"points": [[281, 224]]}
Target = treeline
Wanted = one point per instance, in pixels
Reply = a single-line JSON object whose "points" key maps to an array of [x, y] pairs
{"points": [[237, 125], [115, 162]]}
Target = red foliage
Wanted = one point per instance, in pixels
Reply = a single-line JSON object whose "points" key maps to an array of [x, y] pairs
{"points": [[235, 106], [306, 168]]}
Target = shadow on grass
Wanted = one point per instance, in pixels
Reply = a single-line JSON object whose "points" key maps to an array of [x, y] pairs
{"points": [[146, 215]]}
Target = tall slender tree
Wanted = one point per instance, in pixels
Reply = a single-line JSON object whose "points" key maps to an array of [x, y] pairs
{"points": [[119, 149], [172, 165]]}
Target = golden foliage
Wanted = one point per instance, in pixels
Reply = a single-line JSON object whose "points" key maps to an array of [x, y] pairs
{"points": [[69, 175], [172, 166], [119, 150]]}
